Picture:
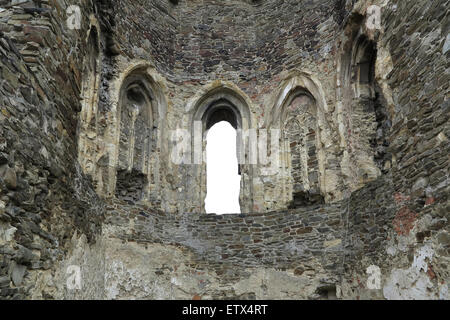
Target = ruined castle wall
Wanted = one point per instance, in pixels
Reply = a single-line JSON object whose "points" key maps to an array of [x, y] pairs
{"points": [[393, 229], [137, 38], [399, 223], [146, 30], [197, 46], [257, 48], [276, 255], [45, 200]]}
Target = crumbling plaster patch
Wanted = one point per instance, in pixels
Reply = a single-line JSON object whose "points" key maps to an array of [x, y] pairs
{"points": [[412, 283]]}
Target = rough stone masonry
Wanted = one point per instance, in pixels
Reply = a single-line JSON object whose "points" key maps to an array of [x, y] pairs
{"points": [[92, 205]]}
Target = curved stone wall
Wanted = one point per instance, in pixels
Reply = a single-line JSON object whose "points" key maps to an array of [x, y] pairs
{"points": [[45, 200], [382, 232]]}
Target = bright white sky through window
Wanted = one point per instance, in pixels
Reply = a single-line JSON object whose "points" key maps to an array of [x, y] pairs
{"points": [[223, 180]]}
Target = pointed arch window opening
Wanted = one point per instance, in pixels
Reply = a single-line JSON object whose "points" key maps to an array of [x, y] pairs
{"points": [[223, 104], [223, 173]]}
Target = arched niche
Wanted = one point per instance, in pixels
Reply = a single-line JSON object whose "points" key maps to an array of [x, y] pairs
{"points": [[299, 114], [365, 119], [222, 104], [299, 134], [87, 141], [363, 68], [136, 119]]}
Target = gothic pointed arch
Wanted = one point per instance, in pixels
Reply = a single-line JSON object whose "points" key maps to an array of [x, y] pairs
{"points": [[137, 134], [222, 103], [297, 113]]}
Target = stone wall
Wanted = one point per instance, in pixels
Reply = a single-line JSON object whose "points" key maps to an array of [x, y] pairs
{"points": [[186, 52], [381, 157], [401, 225], [221, 253], [44, 198]]}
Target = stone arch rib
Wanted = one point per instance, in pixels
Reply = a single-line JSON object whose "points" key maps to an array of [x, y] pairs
{"points": [[88, 117]]}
